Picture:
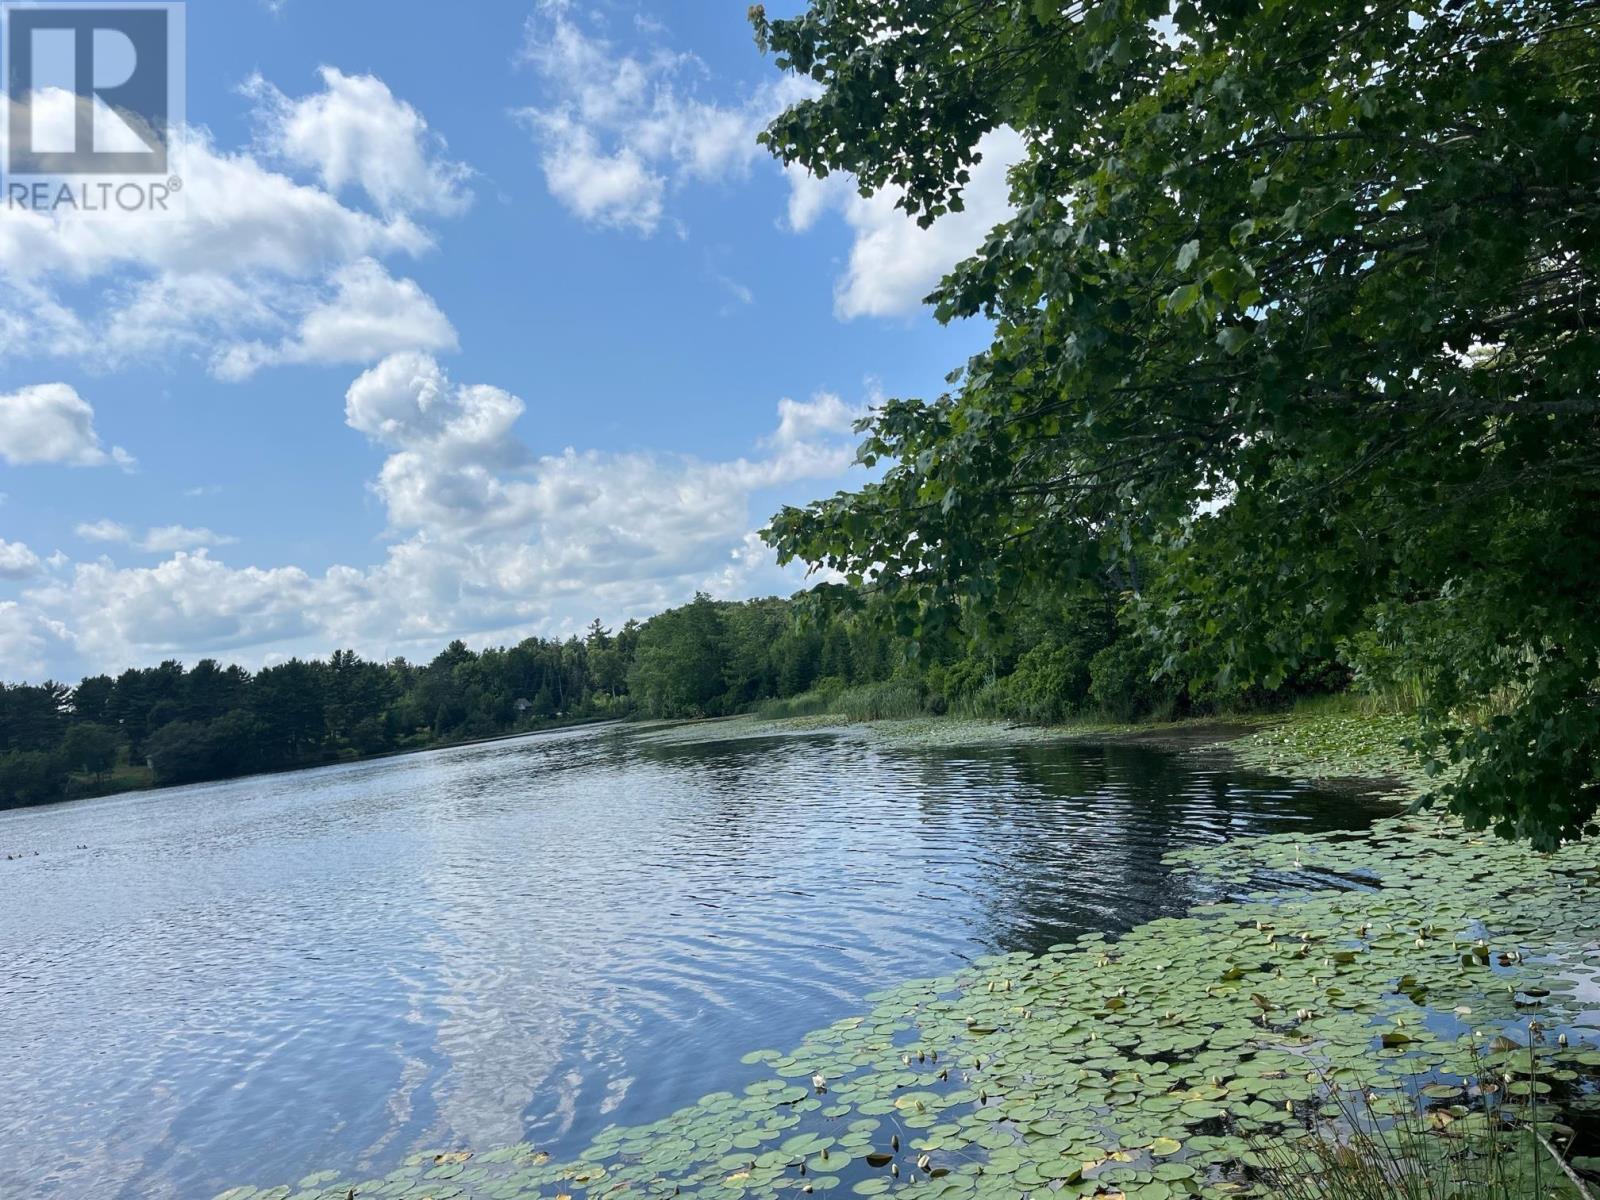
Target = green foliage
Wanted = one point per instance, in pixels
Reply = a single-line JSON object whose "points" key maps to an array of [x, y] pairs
{"points": [[30, 777], [821, 700], [1292, 327], [682, 656], [90, 748], [32, 718], [1050, 683], [193, 751], [895, 698], [1124, 683]]}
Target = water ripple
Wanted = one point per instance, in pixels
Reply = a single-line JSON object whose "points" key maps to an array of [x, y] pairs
{"points": [[531, 938]]}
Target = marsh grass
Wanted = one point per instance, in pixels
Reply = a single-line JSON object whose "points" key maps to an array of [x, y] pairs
{"points": [[1493, 1152], [893, 700]]}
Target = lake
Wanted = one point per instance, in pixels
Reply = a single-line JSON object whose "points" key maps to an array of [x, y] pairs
{"points": [[533, 938]]}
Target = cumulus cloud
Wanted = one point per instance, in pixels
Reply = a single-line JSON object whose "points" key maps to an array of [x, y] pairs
{"points": [[163, 539], [492, 541], [263, 268], [895, 263], [357, 133], [118, 616], [51, 423], [17, 561], [618, 128], [242, 217], [104, 530], [369, 314], [458, 469], [604, 187], [25, 638]]}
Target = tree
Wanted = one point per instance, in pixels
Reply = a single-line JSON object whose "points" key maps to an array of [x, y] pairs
{"points": [[93, 700], [30, 777], [89, 748], [1296, 306], [194, 751], [356, 696], [287, 702], [32, 717], [681, 661], [210, 690]]}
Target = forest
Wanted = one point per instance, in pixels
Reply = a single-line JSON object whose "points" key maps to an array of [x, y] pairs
{"points": [[1051, 660]]}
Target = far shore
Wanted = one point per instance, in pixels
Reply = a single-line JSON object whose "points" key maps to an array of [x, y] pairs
{"points": [[1245, 737]]}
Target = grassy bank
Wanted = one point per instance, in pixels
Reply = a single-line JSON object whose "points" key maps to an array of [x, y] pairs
{"points": [[1425, 970]]}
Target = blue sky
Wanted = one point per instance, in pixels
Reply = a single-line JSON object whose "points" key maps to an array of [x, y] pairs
{"points": [[475, 326]]}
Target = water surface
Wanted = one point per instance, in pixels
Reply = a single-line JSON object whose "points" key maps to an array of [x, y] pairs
{"points": [[530, 938]]}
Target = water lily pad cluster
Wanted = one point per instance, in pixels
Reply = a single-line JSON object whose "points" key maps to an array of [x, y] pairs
{"points": [[1428, 968], [1337, 746]]}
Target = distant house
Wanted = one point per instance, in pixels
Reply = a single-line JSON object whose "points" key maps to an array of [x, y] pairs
{"points": [[522, 705]]}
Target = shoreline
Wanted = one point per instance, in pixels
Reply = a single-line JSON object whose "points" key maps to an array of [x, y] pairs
{"points": [[431, 747], [1312, 750]]}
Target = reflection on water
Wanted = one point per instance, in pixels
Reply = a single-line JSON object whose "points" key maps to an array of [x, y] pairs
{"points": [[532, 938]]}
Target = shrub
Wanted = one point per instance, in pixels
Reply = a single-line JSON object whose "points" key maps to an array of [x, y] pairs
{"points": [[1122, 682], [1050, 683]]}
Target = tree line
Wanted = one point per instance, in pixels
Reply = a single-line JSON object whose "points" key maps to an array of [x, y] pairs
{"points": [[829, 652]]}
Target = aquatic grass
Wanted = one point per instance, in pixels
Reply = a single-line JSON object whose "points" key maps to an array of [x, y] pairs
{"points": [[808, 704], [895, 699], [1410, 1162], [1436, 1140]]}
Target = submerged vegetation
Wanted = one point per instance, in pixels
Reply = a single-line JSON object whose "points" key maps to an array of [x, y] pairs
{"points": [[1444, 976]]}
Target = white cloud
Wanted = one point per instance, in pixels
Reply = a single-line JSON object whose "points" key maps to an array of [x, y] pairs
{"points": [[803, 421], [104, 530], [494, 542], [262, 268], [357, 133], [369, 314], [458, 471], [408, 401], [24, 637], [895, 263], [51, 423], [617, 129], [163, 539], [614, 189], [190, 603], [241, 217], [17, 561]]}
